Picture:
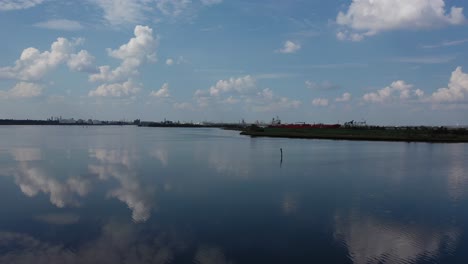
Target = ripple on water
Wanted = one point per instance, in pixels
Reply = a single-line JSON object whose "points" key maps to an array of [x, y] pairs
{"points": [[210, 255], [373, 240]]}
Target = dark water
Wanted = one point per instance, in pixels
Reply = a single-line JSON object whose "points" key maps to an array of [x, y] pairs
{"points": [[208, 196]]}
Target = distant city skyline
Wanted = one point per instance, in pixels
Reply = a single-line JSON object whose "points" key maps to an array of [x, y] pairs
{"points": [[383, 61]]}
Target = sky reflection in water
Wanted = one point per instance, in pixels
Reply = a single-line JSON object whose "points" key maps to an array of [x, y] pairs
{"points": [[138, 195]]}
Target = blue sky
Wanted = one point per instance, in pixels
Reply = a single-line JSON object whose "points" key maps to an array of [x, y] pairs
{"points": [[383, 61]]}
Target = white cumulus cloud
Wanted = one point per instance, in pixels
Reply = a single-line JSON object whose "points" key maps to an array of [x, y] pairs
{"points": [[138, 50], [169, 62], [419, 93], [161, 93], [240, 85], [34, 65], [81, 62], [244, 92], [320, 102], [290, 47], [398, 89], [179, 60], [266, 93], [457, 88], [370, 17], [346, 97], [22, 90], [116, 89]]}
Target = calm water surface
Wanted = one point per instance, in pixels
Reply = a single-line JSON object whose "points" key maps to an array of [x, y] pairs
{"points": [[208, 196]]}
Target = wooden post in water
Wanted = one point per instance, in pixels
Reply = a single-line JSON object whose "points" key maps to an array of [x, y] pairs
{"points": [[281, 151]]}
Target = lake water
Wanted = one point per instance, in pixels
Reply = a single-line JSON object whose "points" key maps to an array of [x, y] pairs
{"points": [[209, 196]]}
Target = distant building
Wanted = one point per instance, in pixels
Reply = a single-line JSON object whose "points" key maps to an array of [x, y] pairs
{"points": [[67, 121]]}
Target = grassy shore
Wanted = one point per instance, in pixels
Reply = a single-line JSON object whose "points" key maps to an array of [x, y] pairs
{"points": [[434, 135]]}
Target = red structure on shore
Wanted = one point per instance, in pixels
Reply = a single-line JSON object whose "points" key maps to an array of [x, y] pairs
{"points": [[305, 126]]}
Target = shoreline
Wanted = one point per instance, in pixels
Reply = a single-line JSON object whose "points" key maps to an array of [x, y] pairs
{"points": [[361, 135], [407, 134]]}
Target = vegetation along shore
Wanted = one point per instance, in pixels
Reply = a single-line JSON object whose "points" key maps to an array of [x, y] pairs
{"points": [[374, 133]]}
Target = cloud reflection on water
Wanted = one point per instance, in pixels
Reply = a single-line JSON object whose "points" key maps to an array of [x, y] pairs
{"points": [[26, 154], [289, 204], [64, 190], [210, 255], [114, 156], [58, 218], [33, 180], [372, 240], [161, 155], [457, 177], [117, 243], [120, 166]]}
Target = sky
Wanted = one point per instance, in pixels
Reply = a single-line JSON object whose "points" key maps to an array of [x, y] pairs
{"points": [[386, 62]]}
